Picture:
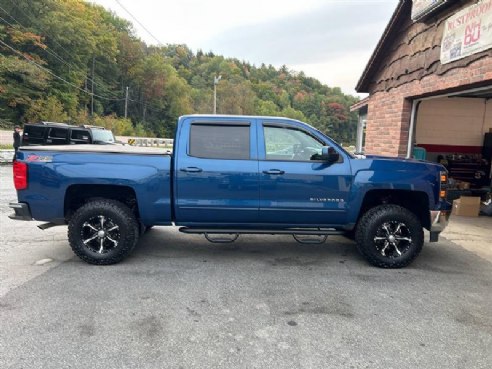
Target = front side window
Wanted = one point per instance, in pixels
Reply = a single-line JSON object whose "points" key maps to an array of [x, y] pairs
{"points": [[282, 143], [58, 133], [220, 141], [79, 135]]}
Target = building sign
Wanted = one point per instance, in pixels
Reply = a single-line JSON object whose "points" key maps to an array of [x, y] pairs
{"points": [[467, 32], [421, 8]]}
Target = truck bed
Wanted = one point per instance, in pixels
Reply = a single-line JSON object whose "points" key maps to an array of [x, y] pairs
{"points": [[69, 170], [117, 149]]}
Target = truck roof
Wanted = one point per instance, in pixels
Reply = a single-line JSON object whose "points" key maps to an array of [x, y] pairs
{"points": [[236, 117]]}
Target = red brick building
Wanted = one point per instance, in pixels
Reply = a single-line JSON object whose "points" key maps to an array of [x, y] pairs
{"points": [[429, 81]]}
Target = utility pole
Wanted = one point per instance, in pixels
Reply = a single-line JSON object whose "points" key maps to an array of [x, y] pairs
{"points": [[126, 102], [92, 86], [216, 82]]}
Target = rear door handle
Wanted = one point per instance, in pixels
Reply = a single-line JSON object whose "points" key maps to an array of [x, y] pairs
{"points": [[274, 171], [191, 169]]}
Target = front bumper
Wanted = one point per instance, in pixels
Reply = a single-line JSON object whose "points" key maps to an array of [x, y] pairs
{"points": [[22, 211], [438, 220]]}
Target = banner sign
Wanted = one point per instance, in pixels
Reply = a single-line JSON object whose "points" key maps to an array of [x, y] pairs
{"points": [[467, 32], [424, 7]]}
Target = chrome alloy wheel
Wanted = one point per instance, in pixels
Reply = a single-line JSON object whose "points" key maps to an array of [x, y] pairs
{"points": [[393, 239], [100, 234]]}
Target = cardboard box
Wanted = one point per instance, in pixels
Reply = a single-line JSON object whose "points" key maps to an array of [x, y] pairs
{"points": [[466, 206]]}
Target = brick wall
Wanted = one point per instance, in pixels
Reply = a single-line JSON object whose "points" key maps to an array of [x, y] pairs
{"points": [[408, 67], [389, 112]]}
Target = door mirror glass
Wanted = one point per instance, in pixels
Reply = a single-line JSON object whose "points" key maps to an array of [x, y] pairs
{"points": [[329, 154]]}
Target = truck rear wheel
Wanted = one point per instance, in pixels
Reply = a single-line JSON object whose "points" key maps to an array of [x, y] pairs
{"points": [[389, 236], [103, 232]]}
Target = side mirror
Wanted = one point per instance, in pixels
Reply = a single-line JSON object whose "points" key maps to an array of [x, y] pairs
{"points": [[329, 154]]}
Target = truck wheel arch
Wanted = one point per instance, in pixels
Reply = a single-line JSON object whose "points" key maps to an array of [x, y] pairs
{"points": [[78, 195], [416, 202]]}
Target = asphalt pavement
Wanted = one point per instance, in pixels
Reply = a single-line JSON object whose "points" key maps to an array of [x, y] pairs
{"points": [[262, 302]]}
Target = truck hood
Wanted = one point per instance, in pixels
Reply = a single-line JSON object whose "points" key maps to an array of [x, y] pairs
{"points": [[376, 162]]}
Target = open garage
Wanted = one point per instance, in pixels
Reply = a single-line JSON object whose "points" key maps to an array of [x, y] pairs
{"points": [[429, 82], [454, 130]]}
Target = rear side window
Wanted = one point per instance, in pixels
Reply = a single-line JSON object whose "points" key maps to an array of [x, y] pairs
{"points": [[220, 141]]}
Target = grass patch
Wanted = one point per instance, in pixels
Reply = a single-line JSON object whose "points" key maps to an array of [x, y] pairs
{"points": [[6, 147]]}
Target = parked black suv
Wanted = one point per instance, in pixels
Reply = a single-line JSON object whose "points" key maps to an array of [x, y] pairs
{"points": [[51, 133]]}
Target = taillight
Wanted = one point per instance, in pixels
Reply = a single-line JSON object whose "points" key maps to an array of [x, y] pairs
{"points": [[443, 188], [20, 175]]}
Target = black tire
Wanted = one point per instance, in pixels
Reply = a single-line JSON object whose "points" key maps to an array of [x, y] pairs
{"points": [[389, 236], [120, 232]]}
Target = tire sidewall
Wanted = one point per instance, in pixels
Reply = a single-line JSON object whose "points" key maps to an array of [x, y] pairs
{"points": [[373, 220], [120, 215]]}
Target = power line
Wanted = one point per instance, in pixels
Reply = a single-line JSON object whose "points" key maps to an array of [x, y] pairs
{"points": [[140, 23], [55, 75], [148, 106], [48, 50], [30, 18]]}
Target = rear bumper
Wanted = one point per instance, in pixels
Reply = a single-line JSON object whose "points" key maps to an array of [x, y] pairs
{"points": [[438, 220], [22, 211]]}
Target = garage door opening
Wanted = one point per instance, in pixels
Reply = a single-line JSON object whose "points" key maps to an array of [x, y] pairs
{"points": [[456, 131]]}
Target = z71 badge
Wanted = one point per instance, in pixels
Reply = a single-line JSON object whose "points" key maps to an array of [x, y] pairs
{"points": [[37, 158]]}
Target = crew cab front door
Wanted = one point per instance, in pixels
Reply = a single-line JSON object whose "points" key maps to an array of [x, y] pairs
{"points": [[295, 187]]}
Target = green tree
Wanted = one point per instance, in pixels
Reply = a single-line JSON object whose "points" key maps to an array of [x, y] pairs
{"points": [[79, 47], [47, 109]]}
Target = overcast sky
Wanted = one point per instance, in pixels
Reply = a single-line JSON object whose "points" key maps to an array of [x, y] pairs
{"points": [[330, 40]]}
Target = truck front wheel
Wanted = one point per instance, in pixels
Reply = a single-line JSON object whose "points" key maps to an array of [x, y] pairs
{"points": [[103, 232], [389, 236]]}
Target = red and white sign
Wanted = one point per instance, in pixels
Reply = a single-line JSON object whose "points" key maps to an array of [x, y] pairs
{"points": [[467, 32]]}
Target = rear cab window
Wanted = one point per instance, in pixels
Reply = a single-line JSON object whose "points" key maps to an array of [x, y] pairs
{"points": [[220, 141]]}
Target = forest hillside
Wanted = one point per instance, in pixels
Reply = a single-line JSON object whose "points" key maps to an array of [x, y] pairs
{"points": [[75, 62]]}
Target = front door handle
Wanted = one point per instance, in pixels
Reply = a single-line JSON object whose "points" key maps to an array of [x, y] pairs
{"points": [[191, 170], [274, 171]]}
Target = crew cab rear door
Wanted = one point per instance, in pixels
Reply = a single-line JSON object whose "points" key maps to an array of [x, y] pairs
{"points": [[296, 188], [216, 172]]}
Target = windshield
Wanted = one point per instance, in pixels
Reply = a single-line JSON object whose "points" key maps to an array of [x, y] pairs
{"points": [[102, 135]]}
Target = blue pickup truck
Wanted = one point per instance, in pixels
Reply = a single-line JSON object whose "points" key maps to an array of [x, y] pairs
{"points": [[233, 175]]}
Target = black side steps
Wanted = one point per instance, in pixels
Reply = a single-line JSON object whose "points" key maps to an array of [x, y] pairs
{"points": [[319, 235]]}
